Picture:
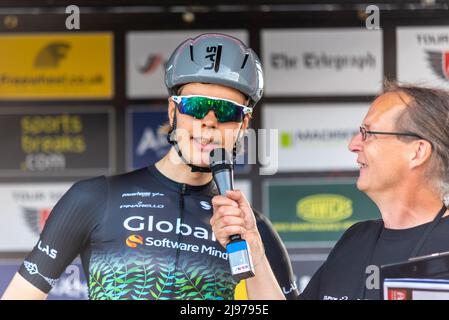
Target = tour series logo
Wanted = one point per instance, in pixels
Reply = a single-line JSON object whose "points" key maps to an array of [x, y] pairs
{"points": [[439, 63]]}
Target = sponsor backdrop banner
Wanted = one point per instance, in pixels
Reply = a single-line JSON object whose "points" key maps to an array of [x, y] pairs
{"points": [[56, 66], [72, 284], [57, 141], [308, 212], [314, 137], [337, 61], [423, 55], [147, 54], [244, 185], [147, 144], [24, 208]]}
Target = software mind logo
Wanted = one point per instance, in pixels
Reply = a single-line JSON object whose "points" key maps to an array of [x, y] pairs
{"points": [[439, 63], [51, 55], [133, 240]]}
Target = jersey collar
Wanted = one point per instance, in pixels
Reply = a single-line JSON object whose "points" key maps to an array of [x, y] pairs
{"points": [[205, 189]]}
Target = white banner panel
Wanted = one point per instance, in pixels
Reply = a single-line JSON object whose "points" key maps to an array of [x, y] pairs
{"points": [[244, 186], [342, 61], [24, 208], [423, 55], [314, 137], [147, 53]]}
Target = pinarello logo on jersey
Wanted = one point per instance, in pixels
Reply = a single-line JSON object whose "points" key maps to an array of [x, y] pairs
{"points": [[133, 240]]}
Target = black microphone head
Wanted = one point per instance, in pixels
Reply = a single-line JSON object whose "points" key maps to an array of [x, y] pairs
{"points": [[222, 170], [219, 158]]}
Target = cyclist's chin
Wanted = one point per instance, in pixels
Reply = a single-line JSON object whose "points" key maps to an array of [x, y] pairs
{"points": [[198, 154], [196, 157], [200, 158]]}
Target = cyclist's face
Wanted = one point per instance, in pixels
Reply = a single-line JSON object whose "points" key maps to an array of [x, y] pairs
{"points": [[197, 137]]}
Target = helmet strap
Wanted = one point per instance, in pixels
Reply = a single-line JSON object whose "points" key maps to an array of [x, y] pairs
{"points": [[171, 138], [237, 146]]}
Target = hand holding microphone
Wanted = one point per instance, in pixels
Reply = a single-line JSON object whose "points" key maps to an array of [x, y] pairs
{"points": [[233, 221]]}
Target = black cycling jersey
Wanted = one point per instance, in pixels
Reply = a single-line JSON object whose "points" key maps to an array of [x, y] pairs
{"points": [[141, 235]]}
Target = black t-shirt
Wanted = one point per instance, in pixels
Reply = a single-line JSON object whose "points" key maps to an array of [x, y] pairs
{"points": [[141, 235], [344, 275]]}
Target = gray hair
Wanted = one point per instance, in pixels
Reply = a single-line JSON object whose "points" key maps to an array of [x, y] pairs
{"points": [[427, 115]]}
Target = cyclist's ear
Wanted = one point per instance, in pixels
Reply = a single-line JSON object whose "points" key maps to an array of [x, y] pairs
{"points": [[171, 111], [245, 123]]}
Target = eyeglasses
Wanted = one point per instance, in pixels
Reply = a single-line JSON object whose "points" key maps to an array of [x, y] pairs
{"points": [[365, 133], [198, 106]]}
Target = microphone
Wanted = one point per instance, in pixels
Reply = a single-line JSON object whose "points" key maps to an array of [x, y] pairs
{"points": [[238, 251]]}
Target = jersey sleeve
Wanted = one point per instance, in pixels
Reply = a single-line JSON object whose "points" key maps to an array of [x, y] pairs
{"points": [[66, 233], [312, 290], [277, 256]]}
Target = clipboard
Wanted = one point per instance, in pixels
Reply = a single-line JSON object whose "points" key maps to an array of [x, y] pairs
{"points": [[420, 273]]}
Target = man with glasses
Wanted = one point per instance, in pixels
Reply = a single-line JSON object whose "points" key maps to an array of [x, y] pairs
{"points": [[403, 155], [146, 234]]}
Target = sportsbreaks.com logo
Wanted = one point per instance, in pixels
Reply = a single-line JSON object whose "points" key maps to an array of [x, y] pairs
{"points": [[148, 224]]}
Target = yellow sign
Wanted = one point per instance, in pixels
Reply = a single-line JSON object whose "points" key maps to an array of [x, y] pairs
{"points": [[56, 66], [240, 291], [324, 208]]}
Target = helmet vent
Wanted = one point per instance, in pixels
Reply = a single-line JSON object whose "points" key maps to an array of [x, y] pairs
{"points": [[217, 62], [244, 61], [191, 52]]}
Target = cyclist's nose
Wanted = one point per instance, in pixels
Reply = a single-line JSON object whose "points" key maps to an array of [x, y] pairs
{"points": [[210, 120]]}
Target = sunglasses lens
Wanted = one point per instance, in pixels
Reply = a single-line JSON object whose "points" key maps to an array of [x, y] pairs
{"points": [[193, 106], [226, 111], [198, 107]]}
